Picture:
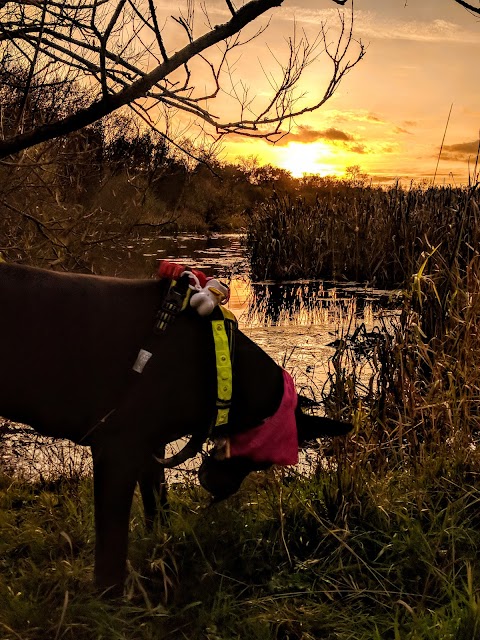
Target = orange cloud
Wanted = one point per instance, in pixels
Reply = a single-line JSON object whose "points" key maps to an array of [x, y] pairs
{"points": [[306, 134], [460, 152], [402, 130], [463, 147]]}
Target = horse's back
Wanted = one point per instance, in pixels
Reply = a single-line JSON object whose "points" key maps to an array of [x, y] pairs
{"points": [[66, 342]]}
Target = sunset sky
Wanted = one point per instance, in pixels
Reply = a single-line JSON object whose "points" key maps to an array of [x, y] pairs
{"points": [[389, 114]]}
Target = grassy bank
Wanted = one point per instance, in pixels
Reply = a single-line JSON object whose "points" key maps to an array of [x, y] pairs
{"points": [[362, 234]]}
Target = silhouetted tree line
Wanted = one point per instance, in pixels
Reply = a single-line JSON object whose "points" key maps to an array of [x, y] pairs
{"points": [[64, 199]]}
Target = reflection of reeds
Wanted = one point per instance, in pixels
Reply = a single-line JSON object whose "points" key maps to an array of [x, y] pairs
{"points": [[307, 303], [362, 234]]}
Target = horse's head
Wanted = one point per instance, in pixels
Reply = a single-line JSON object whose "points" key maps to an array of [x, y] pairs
{"points": [[222, 477]]}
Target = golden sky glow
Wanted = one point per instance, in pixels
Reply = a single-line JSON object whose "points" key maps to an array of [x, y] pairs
{"points": [[390, 112], [305, 158]]}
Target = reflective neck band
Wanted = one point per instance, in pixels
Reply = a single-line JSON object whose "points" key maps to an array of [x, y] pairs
{"points": [[223, 358]]}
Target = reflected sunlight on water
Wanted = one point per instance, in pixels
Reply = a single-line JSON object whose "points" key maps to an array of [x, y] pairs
{"points": [[297, 322]]}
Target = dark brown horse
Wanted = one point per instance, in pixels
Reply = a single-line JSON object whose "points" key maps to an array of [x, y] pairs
{"points": [[67, 346]]}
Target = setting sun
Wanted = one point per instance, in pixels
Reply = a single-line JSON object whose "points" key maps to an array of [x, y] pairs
{"points": [[302, 159]]}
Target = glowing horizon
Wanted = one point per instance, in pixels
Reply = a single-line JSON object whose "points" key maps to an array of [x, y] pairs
{"points": [[389, 114], [301, 159]]}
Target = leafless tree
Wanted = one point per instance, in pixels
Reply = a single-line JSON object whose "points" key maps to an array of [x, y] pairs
{"points": [[128, 52]]}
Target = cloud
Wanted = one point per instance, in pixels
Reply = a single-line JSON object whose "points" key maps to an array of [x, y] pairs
{"points": [[358, 148], [402, 130], [463, 147], [336, 134], [373, 148], [338, 137], [305, 134], [372, 25], [372, 117], [361, 115], [460, 152], [357, 115]]}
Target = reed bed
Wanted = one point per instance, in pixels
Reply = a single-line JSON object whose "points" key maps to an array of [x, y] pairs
{"points": [[362, 234]]}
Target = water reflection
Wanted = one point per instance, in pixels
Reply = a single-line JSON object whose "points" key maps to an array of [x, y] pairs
{"points": [[304, 303], [300, 303], [219, 254], [299, 323]]}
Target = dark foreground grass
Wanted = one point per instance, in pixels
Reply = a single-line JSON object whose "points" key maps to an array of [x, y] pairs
{"points": [[337, 555]]}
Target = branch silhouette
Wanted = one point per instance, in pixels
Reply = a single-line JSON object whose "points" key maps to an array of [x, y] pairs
{"points": [[118, 52]]}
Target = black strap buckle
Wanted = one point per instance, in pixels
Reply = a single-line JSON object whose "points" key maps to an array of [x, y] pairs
{"points": [[172, 304]]}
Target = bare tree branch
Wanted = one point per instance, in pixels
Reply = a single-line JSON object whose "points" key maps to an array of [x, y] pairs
{"points": [[156, 29], [31, 71], [467, 5], [117, 52]]}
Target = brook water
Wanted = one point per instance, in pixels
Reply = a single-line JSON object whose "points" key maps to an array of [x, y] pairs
{"points": [[297, 323]]}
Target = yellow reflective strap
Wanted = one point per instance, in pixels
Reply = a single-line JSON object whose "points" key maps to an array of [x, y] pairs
{"points": [[188, 295], [224, 371], [222, 417]]}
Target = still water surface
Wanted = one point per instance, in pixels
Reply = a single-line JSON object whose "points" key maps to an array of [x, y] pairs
{"points": [[295, 322]]}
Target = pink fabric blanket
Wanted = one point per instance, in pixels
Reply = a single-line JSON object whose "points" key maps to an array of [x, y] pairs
{"points": [[275, 441]]}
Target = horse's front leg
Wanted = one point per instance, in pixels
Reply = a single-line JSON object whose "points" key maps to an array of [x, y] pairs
{"points": [[115, 473]]}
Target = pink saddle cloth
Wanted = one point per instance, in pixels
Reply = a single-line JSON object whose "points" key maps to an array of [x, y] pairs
{"points": [[275, 441]]}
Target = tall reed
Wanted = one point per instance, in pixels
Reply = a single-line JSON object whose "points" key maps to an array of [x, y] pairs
{"points": [[362, 234]]}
